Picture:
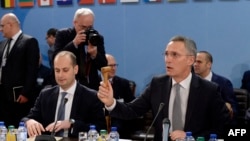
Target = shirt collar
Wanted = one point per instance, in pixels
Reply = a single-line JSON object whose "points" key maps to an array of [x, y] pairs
{"points": [[184, 83], [71, 90], [17, 35], [209, 76]]}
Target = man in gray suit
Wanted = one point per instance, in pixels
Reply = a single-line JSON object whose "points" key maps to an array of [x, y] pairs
{"points": [[202, 110]]}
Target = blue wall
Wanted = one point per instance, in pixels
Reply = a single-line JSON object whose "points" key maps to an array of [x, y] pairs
{"points": [[136, 34]]}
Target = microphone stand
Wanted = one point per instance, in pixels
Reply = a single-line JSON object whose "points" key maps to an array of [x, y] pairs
{"points": [[159, 110]]}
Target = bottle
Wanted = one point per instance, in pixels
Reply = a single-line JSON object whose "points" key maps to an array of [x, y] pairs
{"points": [[3, 131], [189, 137], [200, 139], [92, 134], [113, 135], [103, 135], [11, 135], [213, 137], [21, 132]]}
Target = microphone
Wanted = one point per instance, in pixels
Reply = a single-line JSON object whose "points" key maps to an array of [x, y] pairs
{"points": [[166, 126], [52, 136], [159, 110]]}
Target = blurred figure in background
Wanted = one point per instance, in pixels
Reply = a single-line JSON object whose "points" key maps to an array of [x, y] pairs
{"points": [[50, 38], [43, 78], [203, 67], [122, 93], [245, 82]]}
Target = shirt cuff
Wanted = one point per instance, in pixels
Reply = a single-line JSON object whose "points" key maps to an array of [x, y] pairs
{"points": [[110, 108]]}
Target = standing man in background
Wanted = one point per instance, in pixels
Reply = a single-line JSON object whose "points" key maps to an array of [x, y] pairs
{"points": [[50, 38], [203, 67], [87, 44], [19, 59]]}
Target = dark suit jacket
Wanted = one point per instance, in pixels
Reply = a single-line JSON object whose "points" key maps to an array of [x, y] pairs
{"points": [[43, 80], [64, 41], [246, 81], [227, 93], [121, 89], [20, 70], [21, 66], [86, 109], [206, 111]]}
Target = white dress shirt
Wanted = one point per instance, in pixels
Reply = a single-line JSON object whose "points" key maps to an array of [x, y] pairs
{"points": [[184, 91], [68, 105]]}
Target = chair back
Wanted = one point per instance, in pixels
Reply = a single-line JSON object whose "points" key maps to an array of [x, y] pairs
{"points": [[242, 96]]}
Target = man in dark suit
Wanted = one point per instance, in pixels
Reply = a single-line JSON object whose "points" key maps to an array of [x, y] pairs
{"points": [[245, 82], [89, 59], [51, 38], [43, 78], [203, 67], [81, 104], [122, 93], [19, 57], [201, 108]]}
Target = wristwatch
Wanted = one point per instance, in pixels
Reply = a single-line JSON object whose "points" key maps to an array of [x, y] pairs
{"points": [[72, 121]]}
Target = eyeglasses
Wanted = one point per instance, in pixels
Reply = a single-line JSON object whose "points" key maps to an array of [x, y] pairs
{"points": [[113, 65], [175, 54]]}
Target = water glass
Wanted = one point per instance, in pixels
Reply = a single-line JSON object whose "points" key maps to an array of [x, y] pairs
{"points": [[82, 136]]}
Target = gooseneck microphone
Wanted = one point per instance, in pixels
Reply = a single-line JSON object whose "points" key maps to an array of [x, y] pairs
{"points": [[159, 110], [52, 136], [165, 128]]}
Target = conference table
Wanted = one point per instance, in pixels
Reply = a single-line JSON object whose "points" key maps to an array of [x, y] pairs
{"points": [[71, 139]]}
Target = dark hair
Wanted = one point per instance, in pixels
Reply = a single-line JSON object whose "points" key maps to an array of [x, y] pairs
{"points": [[52, 32], [209, 57]]}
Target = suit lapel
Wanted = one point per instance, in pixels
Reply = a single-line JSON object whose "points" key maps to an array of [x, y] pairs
{"points": [[193, 92], [165, 94], [54, 98], [18, 42], [75, 98]]}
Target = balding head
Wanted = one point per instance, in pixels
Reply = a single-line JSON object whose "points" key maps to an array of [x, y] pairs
{"points": [[10, 17], [112, 63], [10, 25]]}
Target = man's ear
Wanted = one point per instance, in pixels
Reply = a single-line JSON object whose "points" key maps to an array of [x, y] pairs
{"points": [[76, 68]]}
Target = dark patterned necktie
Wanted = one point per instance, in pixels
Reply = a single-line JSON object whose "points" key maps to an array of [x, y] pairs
{"points": [[61, 112], [8, 48]]}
